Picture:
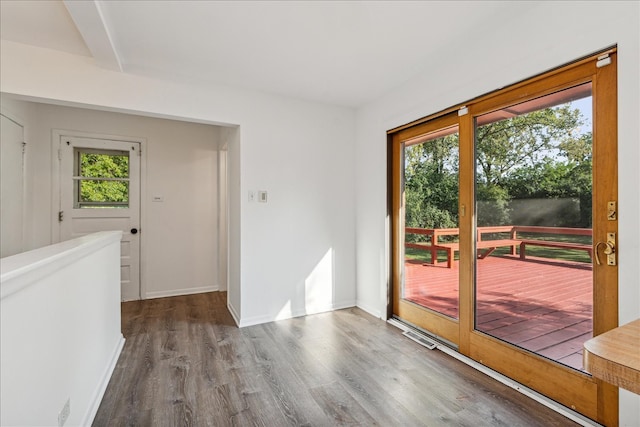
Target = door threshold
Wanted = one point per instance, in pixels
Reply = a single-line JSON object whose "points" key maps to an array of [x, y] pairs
{"points": [[408, 326]]}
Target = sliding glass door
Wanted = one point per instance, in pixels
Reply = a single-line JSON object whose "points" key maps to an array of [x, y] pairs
{"points": [[504, 217], [533, 201], [428, 226]]}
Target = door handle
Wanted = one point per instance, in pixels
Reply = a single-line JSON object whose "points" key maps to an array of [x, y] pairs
{"points": [[134, 231], [609, 249]]}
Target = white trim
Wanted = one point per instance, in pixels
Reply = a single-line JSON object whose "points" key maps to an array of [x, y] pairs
{"points": [[55, 184], [95, 401], [179, 292], [143, 217], [56, 135], [257, 320], [222, 217], [549, 403], [21, 270], [234, 313], [369, 309]]}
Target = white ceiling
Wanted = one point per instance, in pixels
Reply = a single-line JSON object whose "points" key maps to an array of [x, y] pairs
{"points": [[343, 53]]}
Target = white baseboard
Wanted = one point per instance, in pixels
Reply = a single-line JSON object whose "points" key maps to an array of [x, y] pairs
{"points": [[179, 292], [95, 401], [257, 320], [369, 309], [234, 314], [320, 309]]}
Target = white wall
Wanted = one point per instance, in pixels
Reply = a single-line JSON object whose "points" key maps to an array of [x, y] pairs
{"points": [[20, 113], [297, 252], [552, 34], [60, 334], [11, 186], [179, 235]]}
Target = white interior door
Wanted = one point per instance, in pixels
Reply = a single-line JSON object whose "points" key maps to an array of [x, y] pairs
{"points": [[11, 187], [100, 191]]}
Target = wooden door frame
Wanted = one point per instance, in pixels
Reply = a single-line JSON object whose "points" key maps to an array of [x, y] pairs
{"points": [[441, 326], [600, 402]]}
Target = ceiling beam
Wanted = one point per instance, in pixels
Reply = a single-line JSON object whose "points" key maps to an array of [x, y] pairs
{"points": [[89, 20]]}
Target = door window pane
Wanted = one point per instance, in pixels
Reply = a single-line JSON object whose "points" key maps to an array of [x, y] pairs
{"points": [[431, 219], [533, 224], [99, 193], [101, 179]]}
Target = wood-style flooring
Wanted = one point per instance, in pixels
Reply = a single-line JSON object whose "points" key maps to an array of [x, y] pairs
{"points": [[185, 363]]}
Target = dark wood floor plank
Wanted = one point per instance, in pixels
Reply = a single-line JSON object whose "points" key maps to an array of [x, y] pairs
{"points": [[258, 405], [378, 401], [185, 363], [291, 396], [341, 408], [420, 398], [304, 360], [328, 363]]}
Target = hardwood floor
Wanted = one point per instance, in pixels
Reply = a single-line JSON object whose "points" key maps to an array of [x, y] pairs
{"points": [[185, 363]]}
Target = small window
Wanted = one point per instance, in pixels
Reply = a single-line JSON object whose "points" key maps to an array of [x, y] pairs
{"points": [[101, 179]]}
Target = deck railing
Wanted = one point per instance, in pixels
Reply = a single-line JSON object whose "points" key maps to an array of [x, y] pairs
{"points": [[486, 247]]}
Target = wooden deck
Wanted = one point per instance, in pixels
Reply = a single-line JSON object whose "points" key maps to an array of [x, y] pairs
{"points": [[537, 304]]}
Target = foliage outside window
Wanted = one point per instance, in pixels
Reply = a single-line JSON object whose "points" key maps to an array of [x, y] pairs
{"points": [[431, 184], [541, 155], [102, 179]]}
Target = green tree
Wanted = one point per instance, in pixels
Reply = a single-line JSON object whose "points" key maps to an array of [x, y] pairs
{"points": [[431, 183], [527, 139], [492, 205], [567, 178], [94, 165], [541, 154]]}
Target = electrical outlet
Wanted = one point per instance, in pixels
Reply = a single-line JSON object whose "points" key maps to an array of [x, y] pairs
{"points": [[252, 195], [64, 413]]}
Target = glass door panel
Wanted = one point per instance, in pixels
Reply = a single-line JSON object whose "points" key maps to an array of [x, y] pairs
{"points": [[431, 164], [494, 212], [425, 263], [534, 273]]}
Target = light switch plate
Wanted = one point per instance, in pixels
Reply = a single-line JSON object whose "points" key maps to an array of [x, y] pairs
{"points": [[262, 196]]}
